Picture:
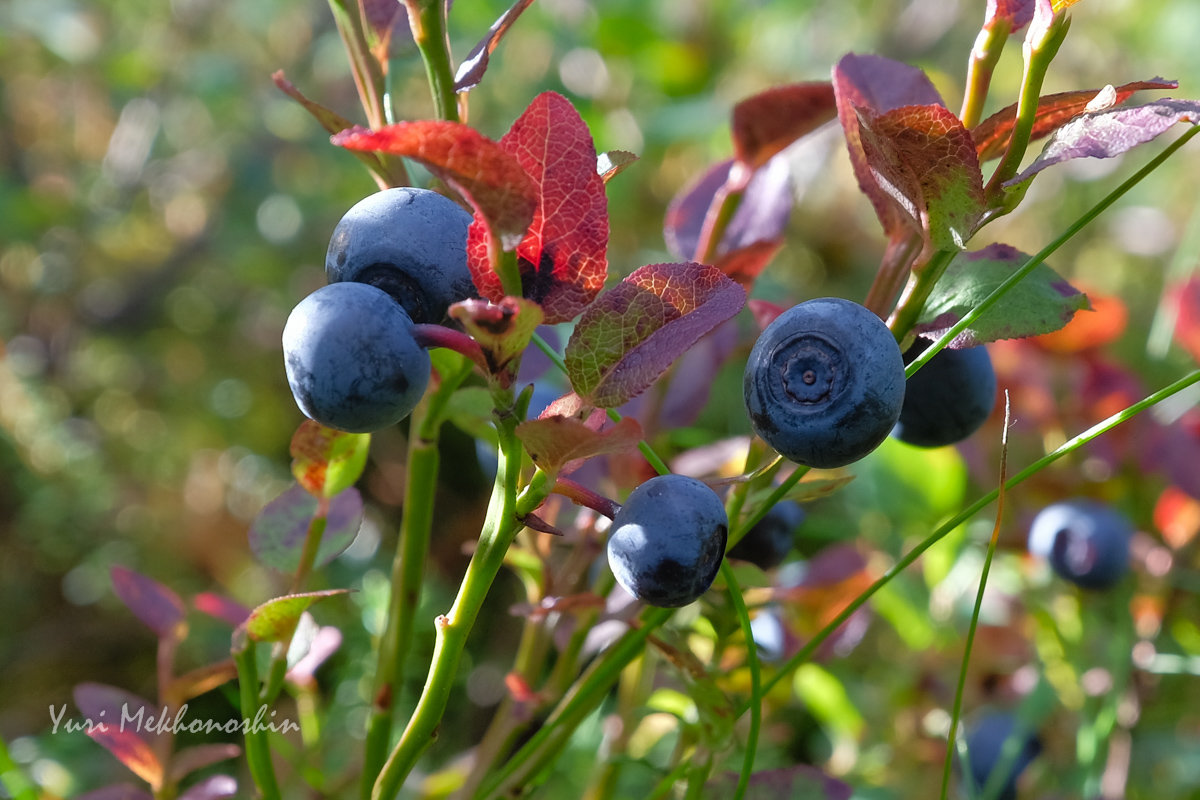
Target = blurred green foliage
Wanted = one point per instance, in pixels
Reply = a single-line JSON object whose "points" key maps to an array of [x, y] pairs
{"points": [[163, 206]]}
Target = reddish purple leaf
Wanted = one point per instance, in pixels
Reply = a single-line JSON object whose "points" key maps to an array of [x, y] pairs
{"points": [[1054, 110], [926, 158], [636, 329], [873, 85], [695, 375], [553, 441], [278, 533], [1104, 134], [214, 787], [221, 608], [562, 259], [1017, 13], [761, 217], [1185, 297], [154, 604], [123, 724], [765, 123], [385, 19], [186, 761], [503, 195], [120, 791], [470, 71]]}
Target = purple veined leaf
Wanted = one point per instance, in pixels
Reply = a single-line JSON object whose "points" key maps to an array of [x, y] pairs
{"points": [[765, 123], [186, 761], [1018, 13], [800, 780], [277, 534], [213, 787], [276, 619], [872, 85], [1042, 302], [470, 71], [221, 608], [923, 161], [1109, 133], [762, 216], [154, 604], [636, 330], [118, 791]]}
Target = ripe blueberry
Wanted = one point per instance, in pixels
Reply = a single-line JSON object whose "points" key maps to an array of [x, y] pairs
{"points": [[666, 543], [986, 746], [1086, 542], [351, 359], [824, 383], [946, 400], [769, 541], [411, 243]]}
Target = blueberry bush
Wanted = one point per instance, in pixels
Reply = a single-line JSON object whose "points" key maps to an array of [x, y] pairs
{"points": [[623, 463]]}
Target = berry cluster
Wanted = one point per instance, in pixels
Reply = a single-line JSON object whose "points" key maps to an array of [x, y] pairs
{"points": [[397, 258]]}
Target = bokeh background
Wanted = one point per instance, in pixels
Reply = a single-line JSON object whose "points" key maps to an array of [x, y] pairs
{"points": [[163, 206]]}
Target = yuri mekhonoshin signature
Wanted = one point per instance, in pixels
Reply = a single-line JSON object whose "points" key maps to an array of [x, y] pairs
{"points": [[143, 720]]}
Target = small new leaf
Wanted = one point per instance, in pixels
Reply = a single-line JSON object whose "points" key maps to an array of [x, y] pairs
{"points": [[275, 620], [326, 461], [502, 329], [553, 441]]}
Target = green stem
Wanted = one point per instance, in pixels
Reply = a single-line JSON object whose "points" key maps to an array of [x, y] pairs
{"points": [[500, 527], [739, 607], [1038, 55], [970, 511], [920, 287], [427, 19], [1012, 280], [408, 568], [956, 711], [984, 57], [258, 749]]}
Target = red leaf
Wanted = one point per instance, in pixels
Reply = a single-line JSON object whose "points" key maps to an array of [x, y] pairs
{"points": [[765, 123], [1088, 329], [125, 725], [876, 85], [154, 604], [131, 750], [926, 158], [1054, 110], [636, 329], [553, 441], [563, 257], [221, 608], [470, 71], [746, 264], [502, 194]]}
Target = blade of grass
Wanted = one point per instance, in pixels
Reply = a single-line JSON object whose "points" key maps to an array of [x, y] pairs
{"points": [[987, 566]]}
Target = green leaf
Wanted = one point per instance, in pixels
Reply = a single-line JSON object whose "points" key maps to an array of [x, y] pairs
{"points": [[1041, 303], [275, 620], [636, 329], [825, 696], [326, 461]]}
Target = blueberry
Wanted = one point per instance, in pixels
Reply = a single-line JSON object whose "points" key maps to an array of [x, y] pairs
{"points": [[769, 541], [1085, 541], [351, 359], [986, 750], [411, 243], [666, 543], [824, 383], [946, 400]]}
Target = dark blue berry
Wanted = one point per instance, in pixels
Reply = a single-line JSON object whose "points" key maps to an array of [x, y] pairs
{"points": [[770, 540], [351, 359], [1085, 541], [947, 399], [986, 752], [411, 243], [824, 383], [666, 543]]}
